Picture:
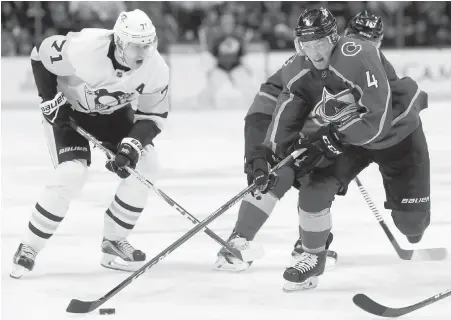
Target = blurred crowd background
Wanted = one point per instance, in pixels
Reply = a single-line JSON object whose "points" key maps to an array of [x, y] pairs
{"points": [[407, 23]]}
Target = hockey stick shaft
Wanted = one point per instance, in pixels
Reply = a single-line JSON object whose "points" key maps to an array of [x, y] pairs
{"points": [[160, 193], [77, 306], [376, 213]]}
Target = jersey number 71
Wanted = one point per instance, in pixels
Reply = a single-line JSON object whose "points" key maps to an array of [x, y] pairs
{"points": [[58, 48]]}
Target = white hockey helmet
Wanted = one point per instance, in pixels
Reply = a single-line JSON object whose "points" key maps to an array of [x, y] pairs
{"points": [[134, 27]]}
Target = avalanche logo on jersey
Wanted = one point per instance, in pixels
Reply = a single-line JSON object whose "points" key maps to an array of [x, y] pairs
{"points": [[101, 99], [339, 108]]}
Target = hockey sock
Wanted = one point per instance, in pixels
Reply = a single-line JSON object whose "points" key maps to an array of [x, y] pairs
{"points": [[53, 204], [125, 209], [315, 229], [253, 214]]}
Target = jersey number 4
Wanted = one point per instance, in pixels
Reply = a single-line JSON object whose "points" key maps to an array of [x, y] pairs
{"points": [[371, 80], [58, 48]]}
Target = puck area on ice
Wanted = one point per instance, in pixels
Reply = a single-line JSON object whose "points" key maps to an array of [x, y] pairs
{"points": [[107, 311]]}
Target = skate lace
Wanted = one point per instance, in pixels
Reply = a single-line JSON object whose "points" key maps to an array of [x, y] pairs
{"points": [[125, 246], [29, 252], [306, 262]]}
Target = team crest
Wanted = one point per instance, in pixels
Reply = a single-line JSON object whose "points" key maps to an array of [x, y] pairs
{"points": [[338, 108], [102, 99]]}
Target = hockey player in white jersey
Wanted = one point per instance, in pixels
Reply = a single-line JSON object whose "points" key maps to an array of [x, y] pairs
{"points": [[114, 84]]}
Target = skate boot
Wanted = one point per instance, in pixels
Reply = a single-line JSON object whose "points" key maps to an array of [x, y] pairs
{"points": [[331, 256], [120, 255], [23, 261], [228, 262], [304, 273]]}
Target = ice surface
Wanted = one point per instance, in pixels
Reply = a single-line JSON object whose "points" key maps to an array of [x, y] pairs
{"points": [[201, 157]]}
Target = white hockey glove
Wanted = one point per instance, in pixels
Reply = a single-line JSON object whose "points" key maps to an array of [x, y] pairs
{"points": [[56, 111]]}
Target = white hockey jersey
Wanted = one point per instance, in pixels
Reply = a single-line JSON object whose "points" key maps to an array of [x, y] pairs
{"points": [[90, 83]]}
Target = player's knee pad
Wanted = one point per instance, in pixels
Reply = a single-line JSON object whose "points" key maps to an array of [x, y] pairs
{"points": [[315, 196], [68, 179], [411, 222], [148, 163], [132, 191], [284, 182]]}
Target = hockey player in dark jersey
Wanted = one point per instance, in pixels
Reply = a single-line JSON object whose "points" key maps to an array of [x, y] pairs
{"points": [[254, 213], [353, 110], [227, 45]]}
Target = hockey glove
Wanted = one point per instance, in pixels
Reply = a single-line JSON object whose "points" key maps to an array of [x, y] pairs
{"points": [[128, 154], [322, 143], [257, 170], [56, 111]]}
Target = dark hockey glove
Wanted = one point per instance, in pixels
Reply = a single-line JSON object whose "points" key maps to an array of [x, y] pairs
{"points": [[257, 170], [56, 111], [322, 143], [128, 154]]}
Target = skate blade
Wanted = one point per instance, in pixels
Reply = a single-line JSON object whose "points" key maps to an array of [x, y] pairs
{"points": [[117, 263], [223, 265], [18, 271], [310, 283]]}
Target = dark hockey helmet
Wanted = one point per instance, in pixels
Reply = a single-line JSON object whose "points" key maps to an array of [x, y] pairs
{"points": [[315, 24], [366, 26]]}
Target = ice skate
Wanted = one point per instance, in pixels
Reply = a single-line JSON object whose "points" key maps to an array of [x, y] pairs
{"points": [[303, 274], [120, 255], [249, 250], [331, 256], [23, 261]]}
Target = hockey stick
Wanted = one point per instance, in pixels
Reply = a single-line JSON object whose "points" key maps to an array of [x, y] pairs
{"points": [[417, 254], [160, 193], [78, 306], [367, 304]]}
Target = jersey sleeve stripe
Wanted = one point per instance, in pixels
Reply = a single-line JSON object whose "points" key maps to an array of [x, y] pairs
{"points": [[405, 113], [266, 95], [282, 107], [276, 122]]}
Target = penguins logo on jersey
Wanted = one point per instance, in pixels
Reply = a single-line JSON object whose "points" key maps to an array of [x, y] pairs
{"points": [[339, 108], [102, 99]]}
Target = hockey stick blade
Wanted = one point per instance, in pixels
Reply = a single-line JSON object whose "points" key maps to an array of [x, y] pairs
{"points": [[433, 254], [367, 304], [78, 306], [430, 254]]}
